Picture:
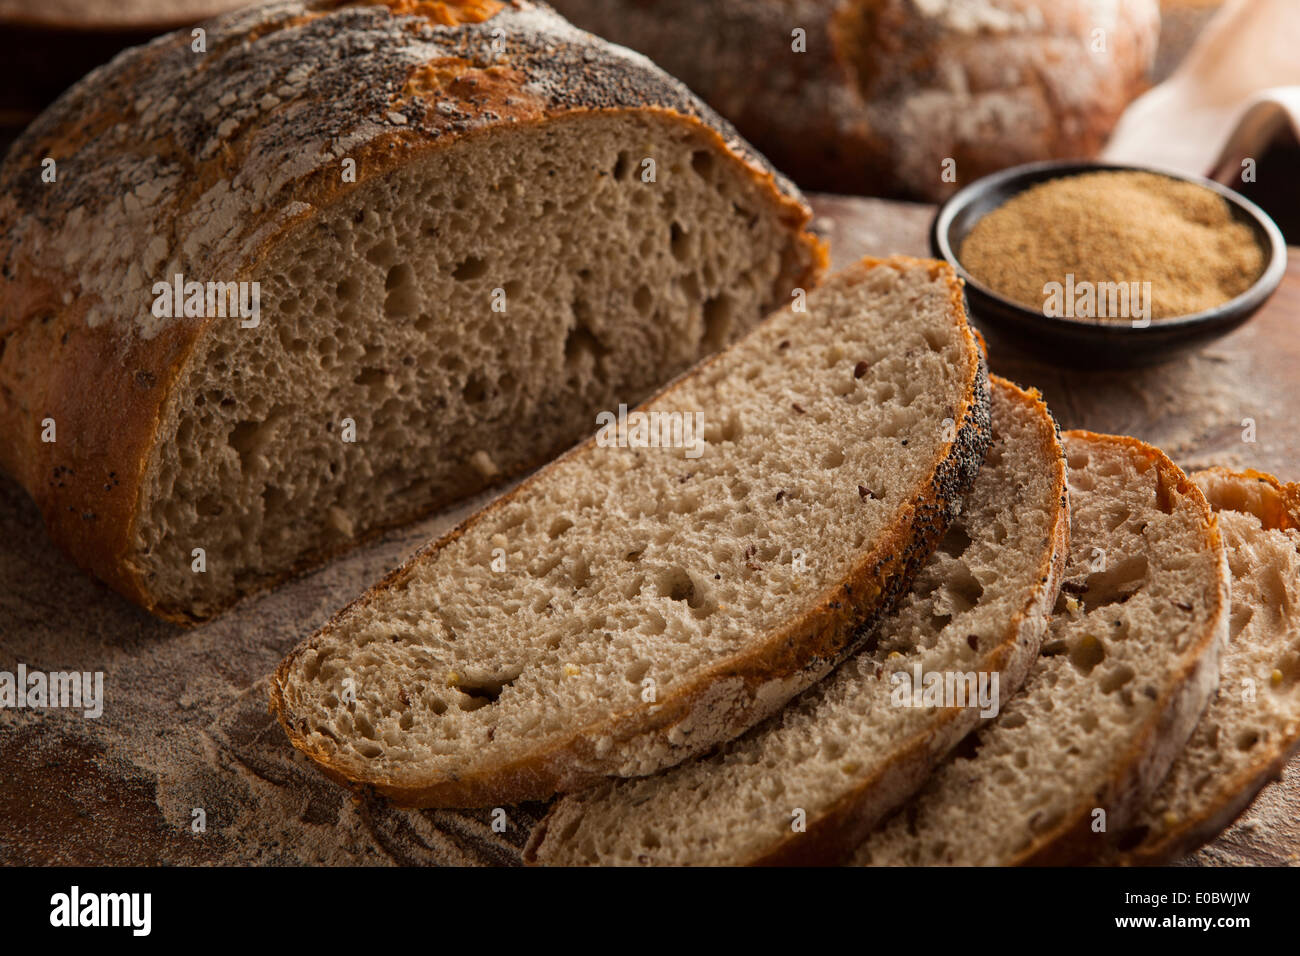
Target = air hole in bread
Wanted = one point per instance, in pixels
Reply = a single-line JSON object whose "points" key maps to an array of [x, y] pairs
{"points": [[471, 267], [622, 165], [1116, 518], [1247, 739], [968, 748], [542, 568], [637, 671], [1117, 583], [487, 688], [370, 376], [582, 349], [209, 506], [403, 296], [961, 591], [475, 390], [1117, 678], [702, 163], [718, 313], [732, 427], [956, 541], [679, 242], [1086, 653], [677, 585]]}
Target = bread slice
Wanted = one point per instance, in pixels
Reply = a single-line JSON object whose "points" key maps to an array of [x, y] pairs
{"points": [[1252, 726], [1130, 662], [647, 604], [844, 754], [464, 248]]}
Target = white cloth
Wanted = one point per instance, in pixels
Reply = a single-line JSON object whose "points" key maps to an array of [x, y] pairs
{"points": [[1237, 91]]}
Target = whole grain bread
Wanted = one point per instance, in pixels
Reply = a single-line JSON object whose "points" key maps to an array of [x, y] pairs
{"points": [[628, 607], [1129, 664], [805, 786], [883, 93], [1252, 726], [541, 225], [156, 15], [48, 45]]}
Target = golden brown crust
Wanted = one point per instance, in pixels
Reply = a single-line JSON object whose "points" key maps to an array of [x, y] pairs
{"points": [[805, 649], [85, 361], [1149, 753]]}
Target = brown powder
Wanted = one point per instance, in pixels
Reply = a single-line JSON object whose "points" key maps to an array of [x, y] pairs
{"points": [[1116, 227]]}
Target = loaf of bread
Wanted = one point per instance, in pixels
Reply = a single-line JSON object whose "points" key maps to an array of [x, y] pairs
{"points": [[1252, 726], [805, 786], [1129, 663], [630, 606], [873, 96], [111, 14], [460, 228], [47, 45]]}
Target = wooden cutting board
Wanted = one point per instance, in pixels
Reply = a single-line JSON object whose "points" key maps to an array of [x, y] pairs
{"points": [[185, 737]]}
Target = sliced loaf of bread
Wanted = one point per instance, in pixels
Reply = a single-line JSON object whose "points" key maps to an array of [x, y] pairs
{"points": [[806, 785], [452, 231], [628, 607], [1129, 664], [1253, 725]]}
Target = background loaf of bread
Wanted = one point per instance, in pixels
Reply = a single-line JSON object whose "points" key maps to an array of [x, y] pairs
{"points": [[872, 96]]}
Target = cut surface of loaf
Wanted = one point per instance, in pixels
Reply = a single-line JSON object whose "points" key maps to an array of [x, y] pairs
{"points": [[461, 254], [1252, 726], [649, 602], [846, 752], [1128, 665]]}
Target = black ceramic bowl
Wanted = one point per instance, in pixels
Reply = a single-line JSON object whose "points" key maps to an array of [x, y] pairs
{"points": [[1075, 342]]}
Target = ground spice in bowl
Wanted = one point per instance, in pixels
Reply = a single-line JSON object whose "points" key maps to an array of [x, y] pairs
{"points": [[1059, 246]]}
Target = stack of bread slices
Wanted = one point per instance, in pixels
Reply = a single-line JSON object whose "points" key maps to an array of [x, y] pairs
{"points": [[888, 616]]}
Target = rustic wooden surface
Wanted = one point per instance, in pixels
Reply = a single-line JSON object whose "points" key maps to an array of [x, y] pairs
{"points": [[185, 723]]}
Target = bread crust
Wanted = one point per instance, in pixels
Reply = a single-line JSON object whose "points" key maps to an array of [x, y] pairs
{"points": [[887, 90], [71, 351], [1190, 834], [729, 692], [111, 15], [1150, 753]]}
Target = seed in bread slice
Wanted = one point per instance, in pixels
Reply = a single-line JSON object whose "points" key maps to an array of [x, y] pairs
{"points": [[1129, 663], [1252, 726], [847, 752], [627, 608]]}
